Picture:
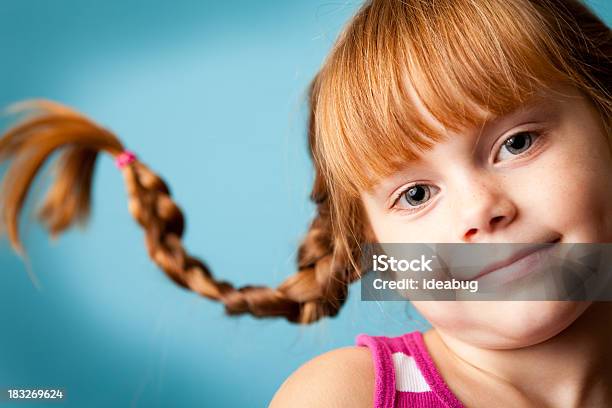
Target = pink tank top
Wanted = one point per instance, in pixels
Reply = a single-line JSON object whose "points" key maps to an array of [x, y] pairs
{"points": [[406, 376]]}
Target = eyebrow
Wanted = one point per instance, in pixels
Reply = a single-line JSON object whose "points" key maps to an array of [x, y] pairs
{"points": [[535, 107], [389, 182]]}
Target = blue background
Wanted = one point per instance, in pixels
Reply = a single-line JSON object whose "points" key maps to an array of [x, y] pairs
{"points": [[212, 96]]}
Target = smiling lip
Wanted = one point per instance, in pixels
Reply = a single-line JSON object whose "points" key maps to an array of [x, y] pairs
{"points": [[515, 259]]}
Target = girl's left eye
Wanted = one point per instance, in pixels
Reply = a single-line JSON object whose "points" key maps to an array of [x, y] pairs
{"points": [[515, 145]]}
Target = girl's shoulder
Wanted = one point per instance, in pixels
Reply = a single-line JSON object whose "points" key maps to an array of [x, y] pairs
{"points": [[340, 377], [379, 371]]}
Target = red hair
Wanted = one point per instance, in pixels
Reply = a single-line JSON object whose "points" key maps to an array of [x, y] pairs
{"points": [[461, 59]]}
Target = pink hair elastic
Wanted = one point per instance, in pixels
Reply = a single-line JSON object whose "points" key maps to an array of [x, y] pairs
{"points": [[125, 158]]}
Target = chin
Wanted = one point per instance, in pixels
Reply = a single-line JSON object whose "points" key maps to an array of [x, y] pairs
{"points": [[502, 325]]}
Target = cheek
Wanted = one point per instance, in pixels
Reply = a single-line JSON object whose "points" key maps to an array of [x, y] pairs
{"points": [[393, 228], [390, 229], [570, 191], [501, 325]]}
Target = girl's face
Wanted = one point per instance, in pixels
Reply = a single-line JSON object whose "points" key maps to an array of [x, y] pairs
{"points": [[540, 174]]}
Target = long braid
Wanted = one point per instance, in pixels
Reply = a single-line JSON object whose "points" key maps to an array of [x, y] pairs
{"points": [[318, 289]]}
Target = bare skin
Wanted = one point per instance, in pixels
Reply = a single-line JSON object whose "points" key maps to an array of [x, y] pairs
{"points": [[515, 354], [572, 369]]}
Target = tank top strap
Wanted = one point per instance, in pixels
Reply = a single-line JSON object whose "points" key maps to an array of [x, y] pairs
{"points": [[384, 383], [405, 374], [413, 342]]}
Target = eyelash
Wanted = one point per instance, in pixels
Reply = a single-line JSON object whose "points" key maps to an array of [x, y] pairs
{"points": [[399, 195], [536, 139], [536, 136]]}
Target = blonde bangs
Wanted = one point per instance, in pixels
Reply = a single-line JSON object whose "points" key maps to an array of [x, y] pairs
{"points": [[460, 60]]}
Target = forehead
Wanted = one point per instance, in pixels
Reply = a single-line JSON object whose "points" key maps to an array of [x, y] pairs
{"points": [[546, 105], [423, 107], [362, 142], [385, 96]]}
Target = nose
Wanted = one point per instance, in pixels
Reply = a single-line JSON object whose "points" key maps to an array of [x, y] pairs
{"points": [[484, 211]]}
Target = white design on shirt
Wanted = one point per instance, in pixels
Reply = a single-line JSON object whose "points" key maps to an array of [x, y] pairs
{"points": [[408, 377]]}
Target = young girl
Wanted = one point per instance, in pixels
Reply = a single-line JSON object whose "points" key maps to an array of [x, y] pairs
{"points": [[456, 121]]}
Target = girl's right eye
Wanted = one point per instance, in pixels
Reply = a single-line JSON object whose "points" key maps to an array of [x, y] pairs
{"points": [[414, 196]]}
